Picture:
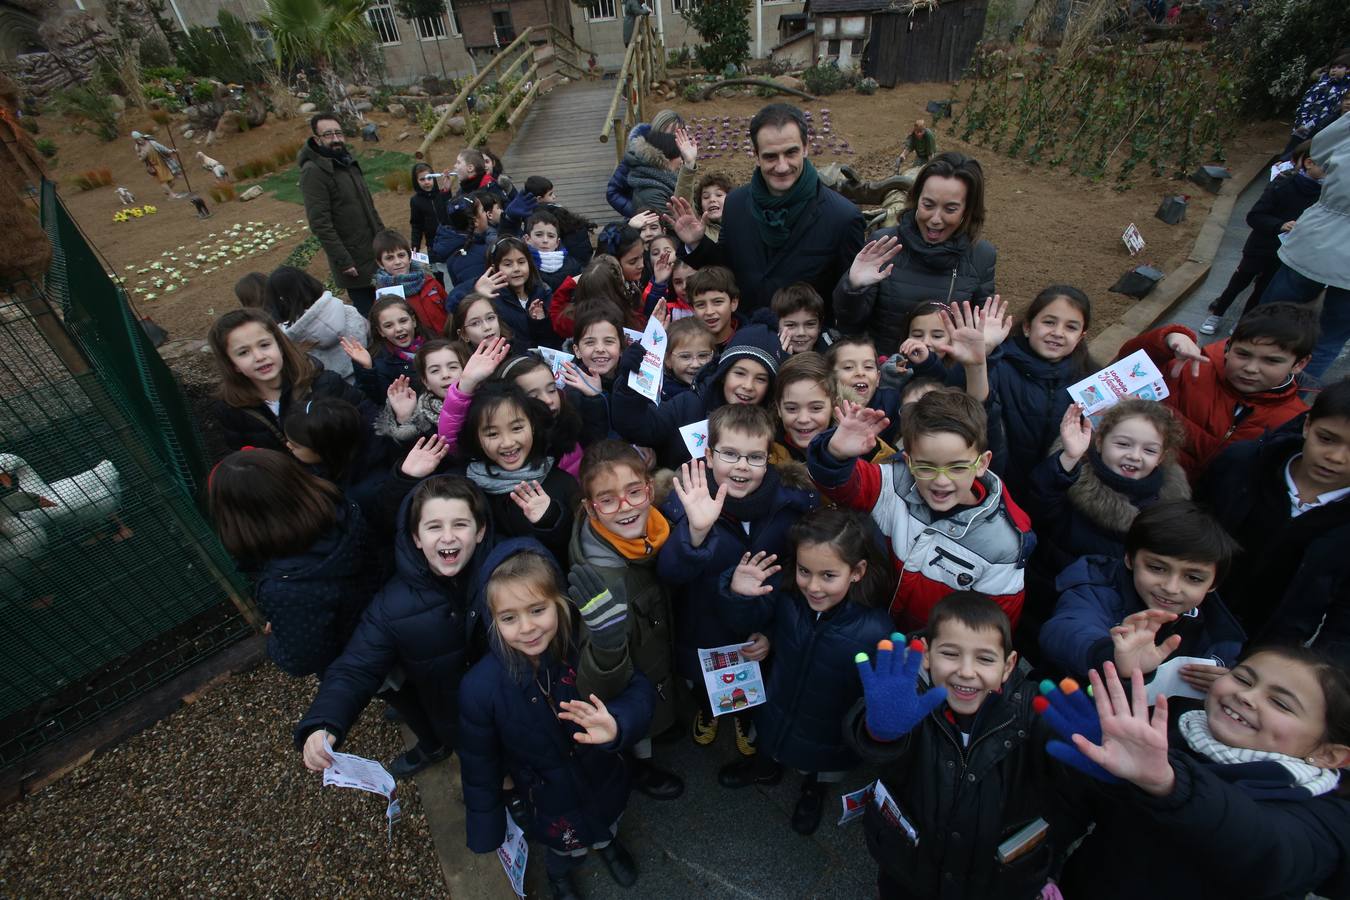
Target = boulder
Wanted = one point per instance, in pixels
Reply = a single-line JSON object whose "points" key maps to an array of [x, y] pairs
{"points": [[457, 125], [363, 106], [397, 110], [416, 91], [252, 193], [119, 103], [405, 135], [308, 109], [790, 81], [188, 134], [441, 108]]}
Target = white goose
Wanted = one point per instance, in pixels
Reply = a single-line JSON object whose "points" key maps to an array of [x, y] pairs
{"points": [[91, 497], [21, 542]]}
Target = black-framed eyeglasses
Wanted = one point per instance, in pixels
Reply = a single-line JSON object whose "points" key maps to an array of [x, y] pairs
{"points": [[731, 457], [330, 134]]}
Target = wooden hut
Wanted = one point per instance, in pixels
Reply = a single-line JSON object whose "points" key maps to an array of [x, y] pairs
{"points": [[898, 40]]}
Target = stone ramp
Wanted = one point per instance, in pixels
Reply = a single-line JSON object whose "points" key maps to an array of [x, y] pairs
{"points": [[560, 140]]}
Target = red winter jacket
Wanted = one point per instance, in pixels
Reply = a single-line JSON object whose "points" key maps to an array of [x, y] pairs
{"points": [[1208, 405], [428, 305]]}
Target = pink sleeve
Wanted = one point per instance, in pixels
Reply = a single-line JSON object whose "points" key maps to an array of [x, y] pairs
{"points": [[454, 411], [571, 461]]}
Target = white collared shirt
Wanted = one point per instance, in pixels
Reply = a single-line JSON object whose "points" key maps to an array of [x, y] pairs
{"points": [[1296, 506]]}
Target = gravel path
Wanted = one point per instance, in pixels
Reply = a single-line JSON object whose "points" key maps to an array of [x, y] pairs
{"points": [[213, 800]]}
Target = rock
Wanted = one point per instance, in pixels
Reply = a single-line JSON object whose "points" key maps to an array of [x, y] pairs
{"points": [[1017, 76], [397, 110], [350, 89], [441, 108], [308, 109], [118, 102], [790, 81], [363, 106], [252, 193], [416, 91], [188, 133], [404, 136], [457, 125]]}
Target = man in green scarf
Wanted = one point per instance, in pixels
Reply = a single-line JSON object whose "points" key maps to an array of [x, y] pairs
{"points": [[785, 226]]}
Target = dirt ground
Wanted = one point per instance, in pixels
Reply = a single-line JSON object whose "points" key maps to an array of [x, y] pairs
{"points": [[1048, 226], [219, 784]]}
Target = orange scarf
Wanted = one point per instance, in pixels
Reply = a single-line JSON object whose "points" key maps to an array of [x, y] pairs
{"points": [[658, 530]]}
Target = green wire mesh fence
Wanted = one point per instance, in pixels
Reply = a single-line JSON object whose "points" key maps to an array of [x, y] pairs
{"points": [[111, 580]]}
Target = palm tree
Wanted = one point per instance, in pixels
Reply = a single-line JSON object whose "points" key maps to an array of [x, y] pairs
{"points": [[316, 32]]}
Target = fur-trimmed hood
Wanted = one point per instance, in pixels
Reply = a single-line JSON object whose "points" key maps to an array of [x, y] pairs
{"points": [[1108, 508], [640, 152]]}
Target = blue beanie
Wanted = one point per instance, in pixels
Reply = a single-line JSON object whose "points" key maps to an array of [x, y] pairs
{"points": [[751, 342]]}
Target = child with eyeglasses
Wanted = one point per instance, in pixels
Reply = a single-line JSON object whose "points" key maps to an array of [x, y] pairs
{"points": [[949, 522], [624, 606], [727, 503]]}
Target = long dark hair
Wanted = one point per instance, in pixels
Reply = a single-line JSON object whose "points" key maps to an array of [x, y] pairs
{"points": [[266, 505], [1076, 298], [504, 246], [297, 370], [290, 291], [564, 432], [849, 534], [486, 401], [332, 428]]}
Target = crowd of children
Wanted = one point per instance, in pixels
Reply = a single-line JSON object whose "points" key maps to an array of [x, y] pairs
{"points": [[463, 504]]}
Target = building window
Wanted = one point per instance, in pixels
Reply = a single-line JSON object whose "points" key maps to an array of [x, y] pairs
{"points": [[503, 32], [430, 28], [602, 10], [454, 18], [827, 27], [381, 19], [684, 6]]}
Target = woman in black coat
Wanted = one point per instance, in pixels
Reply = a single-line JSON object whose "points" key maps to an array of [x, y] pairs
{"points": [[934, 254]]}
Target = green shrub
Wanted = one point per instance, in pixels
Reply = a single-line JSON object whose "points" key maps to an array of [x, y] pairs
{"points": [[204, 91], [92, 107], [1279, 44], [168, 73], [725, 30], [823, 79], [868, 86], [30, 124], [46, 146], [693, 91]]}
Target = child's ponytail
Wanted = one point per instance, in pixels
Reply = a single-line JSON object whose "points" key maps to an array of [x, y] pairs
{"points": [[849, 533]]}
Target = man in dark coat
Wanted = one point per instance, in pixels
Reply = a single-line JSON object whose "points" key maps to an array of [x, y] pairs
{"points": [[783, 227], [340, 210]]}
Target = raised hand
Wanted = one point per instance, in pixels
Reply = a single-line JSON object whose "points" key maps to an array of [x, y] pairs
{"points": [[603, 612], [425, 457], [1135, 641], [536, 309], [997, 323], [660, 313], [532, 500], [1075, 431], [663, 264], [1133, 745], [873, 265], [1068, 711], [596, 721], [317, 752], [1187, 352], [965, 333], [1202, 677], [749, 577], [484, 360], [757, 650], [573, 378], [402, 399], [643, 219], [356, 350], [687, 224], [858, 430], [890, 689], [701, 508], [490, 282], [915, 351], [687, 146]]}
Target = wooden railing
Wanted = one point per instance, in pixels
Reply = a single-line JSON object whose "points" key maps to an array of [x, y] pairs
{"points": [[569, 56], [643, 65]]}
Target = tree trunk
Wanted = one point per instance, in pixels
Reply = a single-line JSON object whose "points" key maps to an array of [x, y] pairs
{"points": [[441, 56], [337, 92]]}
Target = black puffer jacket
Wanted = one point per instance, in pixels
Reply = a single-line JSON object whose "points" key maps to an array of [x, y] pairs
{"points": [[313, 599], [1283, 200], [955, 268], [812, 676], [964, 801], [432, 627], [257, 426]]}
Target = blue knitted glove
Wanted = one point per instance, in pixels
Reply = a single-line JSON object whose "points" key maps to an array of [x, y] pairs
{"points": [[522, 206], [894, 705], [1069, 711]]}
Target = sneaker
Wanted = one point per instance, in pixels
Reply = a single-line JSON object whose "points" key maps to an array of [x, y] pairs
{"points": [[705, 730], [415, 760], [655, 782], [1211, 324], [562, 887], [745, 772], [620, 864], [806, 815], [744, 746]]}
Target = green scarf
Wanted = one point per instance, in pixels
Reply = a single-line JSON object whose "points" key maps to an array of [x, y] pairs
{"points": [[776, 215]]}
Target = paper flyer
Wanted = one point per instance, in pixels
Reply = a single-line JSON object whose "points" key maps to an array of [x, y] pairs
{"points": [[890, 810], [555, 360], [695, 437], [395, 289], [1133, 376], [350, 771], [421, 258], [1167, 680], [514, 852], [634, 337], [1134, 241], [647, 379], [734, 683], [855, 803]]}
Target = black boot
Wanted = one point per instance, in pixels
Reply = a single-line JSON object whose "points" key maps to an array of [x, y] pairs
{"points": [[806, 815], [757, 769], [563, 887], [620, 864], [654, 782], [415, 760]]}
